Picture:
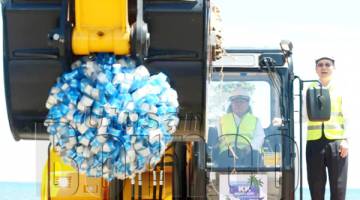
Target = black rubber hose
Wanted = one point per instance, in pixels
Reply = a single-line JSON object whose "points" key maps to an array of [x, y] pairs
{"points": [[161, 178], [132, 189], [154, 184], [139, 186]]}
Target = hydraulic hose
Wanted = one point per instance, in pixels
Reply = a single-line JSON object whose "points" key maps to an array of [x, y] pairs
{"points": [[161, 181], [154, 184], [132, 188], [139, 186]]}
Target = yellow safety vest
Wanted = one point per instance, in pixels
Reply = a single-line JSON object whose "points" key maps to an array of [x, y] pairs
{"points": [[333, 128], [230, 131]]}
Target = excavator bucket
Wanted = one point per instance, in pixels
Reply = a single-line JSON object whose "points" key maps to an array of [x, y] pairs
{"points": [[39, 38]]}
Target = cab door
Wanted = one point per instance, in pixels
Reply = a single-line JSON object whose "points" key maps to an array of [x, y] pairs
{"points": [[249, 145]]}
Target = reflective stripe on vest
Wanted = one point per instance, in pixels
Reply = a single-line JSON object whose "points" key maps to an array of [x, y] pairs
{"points": [[333, 128], [231, 134]]}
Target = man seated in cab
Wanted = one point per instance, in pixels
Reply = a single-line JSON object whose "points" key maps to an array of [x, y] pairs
{"points": [[241, 134]]}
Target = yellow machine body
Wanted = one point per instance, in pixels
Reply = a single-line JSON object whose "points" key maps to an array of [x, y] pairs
{"points": [[66, 183], [101, 26]]}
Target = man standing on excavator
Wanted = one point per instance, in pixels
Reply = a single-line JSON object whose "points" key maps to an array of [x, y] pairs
{"points": [[327, 145]]}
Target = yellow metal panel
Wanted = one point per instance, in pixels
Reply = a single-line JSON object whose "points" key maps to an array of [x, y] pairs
{"points": [[101, 26], [67, 184], [82, 187]]}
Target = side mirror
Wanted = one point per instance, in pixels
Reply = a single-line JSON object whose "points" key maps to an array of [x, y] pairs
{"points": [[318, 104]]}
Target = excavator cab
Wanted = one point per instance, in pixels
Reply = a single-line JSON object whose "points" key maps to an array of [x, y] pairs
{"points": [[43, 37], [259, 165]]}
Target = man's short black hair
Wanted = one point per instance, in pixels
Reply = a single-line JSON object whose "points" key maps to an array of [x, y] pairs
{"points": [[325, 58]]}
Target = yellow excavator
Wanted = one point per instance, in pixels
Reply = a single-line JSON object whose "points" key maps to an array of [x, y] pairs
{"points": [[43, 37]]}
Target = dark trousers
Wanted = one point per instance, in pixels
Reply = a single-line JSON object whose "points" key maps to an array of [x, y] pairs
{"points": [[322, 154]]}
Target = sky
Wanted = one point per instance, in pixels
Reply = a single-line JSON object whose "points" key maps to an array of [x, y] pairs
{"points": [[315, 28]]}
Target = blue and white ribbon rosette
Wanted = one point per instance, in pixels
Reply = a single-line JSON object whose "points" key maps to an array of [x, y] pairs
{"points": [[110, 118]]}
